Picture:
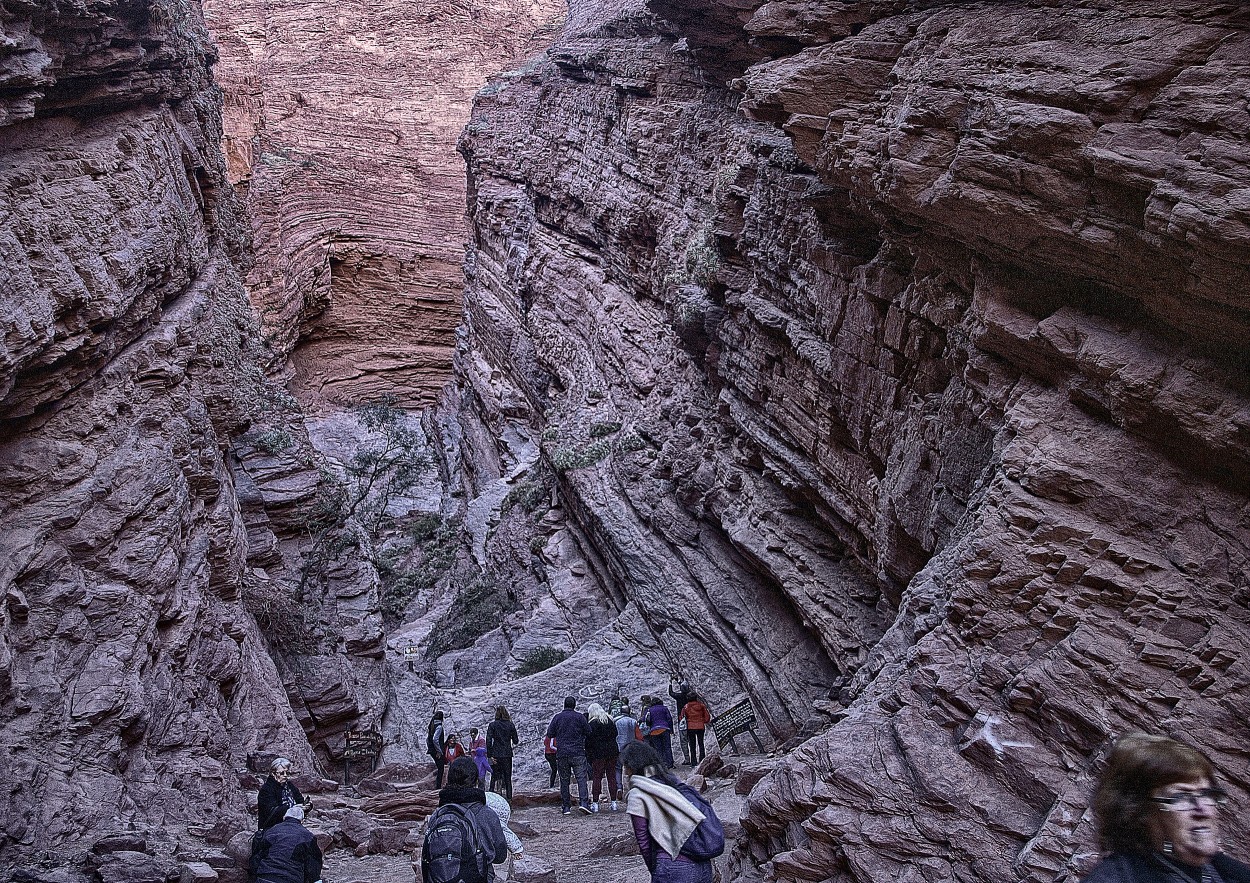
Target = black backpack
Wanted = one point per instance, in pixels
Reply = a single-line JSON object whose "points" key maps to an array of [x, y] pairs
{"points": [[707, 841], [453, 851]]}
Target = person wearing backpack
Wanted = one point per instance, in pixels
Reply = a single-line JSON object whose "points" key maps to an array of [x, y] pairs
{"points": [[677, 831], [660, 733], [463, 838], [436, 746]]}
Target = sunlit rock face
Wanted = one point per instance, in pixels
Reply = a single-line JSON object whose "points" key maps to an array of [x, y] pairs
{"points": [[341, 121], [891, 358], [134, 682]]}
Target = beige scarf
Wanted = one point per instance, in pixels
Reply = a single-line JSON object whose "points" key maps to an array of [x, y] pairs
{"points": [[671, 818]]}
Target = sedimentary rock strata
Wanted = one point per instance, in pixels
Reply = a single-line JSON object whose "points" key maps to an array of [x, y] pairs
{"points": [[891, 359], [340, 124], [135, 682]]}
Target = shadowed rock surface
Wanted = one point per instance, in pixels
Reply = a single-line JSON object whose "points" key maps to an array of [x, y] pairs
{"points": [[134, 680], [907, 374]]}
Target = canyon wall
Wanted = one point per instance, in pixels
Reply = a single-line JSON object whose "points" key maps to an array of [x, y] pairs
{"points": [[341, 121], [889, 359], [135, 682]]}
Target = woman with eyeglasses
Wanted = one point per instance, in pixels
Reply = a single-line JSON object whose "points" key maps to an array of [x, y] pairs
{"points": [[1157, 808], [277, 795]]}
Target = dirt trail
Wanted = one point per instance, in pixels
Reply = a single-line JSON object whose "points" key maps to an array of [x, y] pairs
{"points": [[567, 844]]}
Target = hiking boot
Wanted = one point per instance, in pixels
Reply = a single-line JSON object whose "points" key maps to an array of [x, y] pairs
{"points": [[586, 808], [614, 806]]}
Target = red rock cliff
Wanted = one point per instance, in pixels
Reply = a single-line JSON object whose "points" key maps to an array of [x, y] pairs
{"points": [[133, 681], [341, 121], [893, 354]]}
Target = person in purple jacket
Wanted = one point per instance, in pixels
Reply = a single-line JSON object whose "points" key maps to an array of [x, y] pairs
{"points": [[660, 732], [570, 728]]}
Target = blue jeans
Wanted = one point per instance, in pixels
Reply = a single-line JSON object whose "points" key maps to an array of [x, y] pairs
{"points": [[577, 766]]}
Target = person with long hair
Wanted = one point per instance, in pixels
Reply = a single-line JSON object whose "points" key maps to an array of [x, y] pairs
{"points": [[663, 812], [1158, 813], [501, 739], [602, 753]]}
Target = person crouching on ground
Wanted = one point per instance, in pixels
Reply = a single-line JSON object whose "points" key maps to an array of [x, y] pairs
{"points": [[277, 794], [662, 818], [469, 802], [287, 852], [1157, 808]]}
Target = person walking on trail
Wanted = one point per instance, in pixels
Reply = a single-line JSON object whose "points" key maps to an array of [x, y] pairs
{"points": [[277, 794], [501, 739], [696, 716], [681, 695], [286, 852], [677, 832], [436, 747], [570, 729], [478, 748], [660, 732], [602, 753], [463, 837], [626, 732], [549, 752]]}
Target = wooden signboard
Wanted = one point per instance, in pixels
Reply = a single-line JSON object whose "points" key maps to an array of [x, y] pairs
{"points": [[734, 722], [362, 745]]}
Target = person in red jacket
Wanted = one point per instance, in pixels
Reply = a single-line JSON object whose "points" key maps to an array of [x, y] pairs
{"points": [[696, 716], [453, 750]]}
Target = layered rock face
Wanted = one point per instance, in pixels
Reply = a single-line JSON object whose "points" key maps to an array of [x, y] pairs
{"points": [[341, 120], [891, 358], [135, 682]]}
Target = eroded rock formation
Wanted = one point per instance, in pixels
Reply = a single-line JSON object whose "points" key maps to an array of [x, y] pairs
{"points": [[891, 359], [341, 121], [134, 681]]}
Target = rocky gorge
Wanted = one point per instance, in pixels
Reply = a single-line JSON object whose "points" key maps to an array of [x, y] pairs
{"points": [[883, 364]]}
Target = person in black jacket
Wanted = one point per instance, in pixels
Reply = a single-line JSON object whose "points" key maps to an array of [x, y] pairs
{"points": [[681, 695], [436, 746], [461, 790], [501, 737], [287, 852], [277, 794], [1157, 808], [570, 729]]}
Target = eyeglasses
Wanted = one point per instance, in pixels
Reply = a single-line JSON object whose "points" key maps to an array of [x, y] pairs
{"points": [[1179, 801]]}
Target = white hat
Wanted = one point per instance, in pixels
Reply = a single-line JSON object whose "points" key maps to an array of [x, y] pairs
{"points": [[296, 812]]}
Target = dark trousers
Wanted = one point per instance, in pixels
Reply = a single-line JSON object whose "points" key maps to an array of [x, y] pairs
{"points": [[575, 766], [501, 776], [599, 768], [695, 738], [551, 762], [663, 745], [439, 763]]}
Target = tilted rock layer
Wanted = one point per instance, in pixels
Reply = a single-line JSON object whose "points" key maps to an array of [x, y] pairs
{"points": [[134, 682], [341, 120], [892, 358]]}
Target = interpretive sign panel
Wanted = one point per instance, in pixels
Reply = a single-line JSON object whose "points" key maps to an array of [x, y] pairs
{"points": [[734, 722], [363, 745]]}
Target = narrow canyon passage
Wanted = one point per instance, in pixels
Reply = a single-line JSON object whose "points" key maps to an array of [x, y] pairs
{"points": [[879, 369]]}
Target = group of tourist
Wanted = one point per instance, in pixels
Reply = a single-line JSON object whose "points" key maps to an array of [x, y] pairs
{"points": [[1157, 805], [491, 753]]}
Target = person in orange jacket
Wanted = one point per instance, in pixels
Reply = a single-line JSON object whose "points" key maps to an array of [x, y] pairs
{"points": [[696, 716]]}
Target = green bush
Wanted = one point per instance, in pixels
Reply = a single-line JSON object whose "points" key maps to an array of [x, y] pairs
{"points": [[540, 659], [566, 459], [602, 430], [476, 609]]}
